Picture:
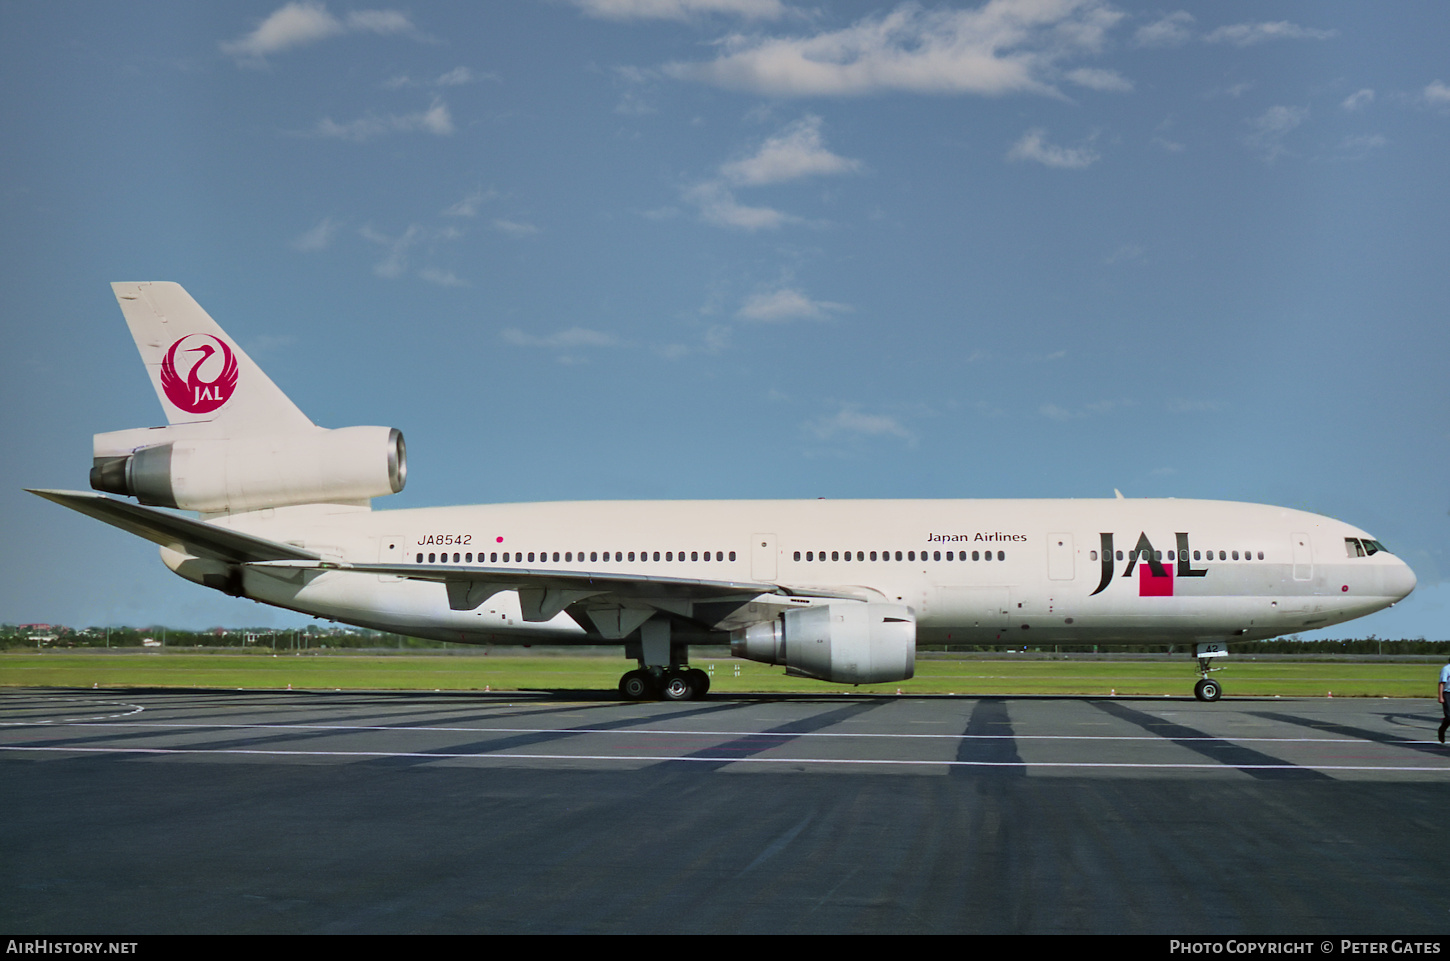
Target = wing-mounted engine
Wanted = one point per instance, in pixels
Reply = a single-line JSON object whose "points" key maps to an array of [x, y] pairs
{"points": [[202, 470], [849, 642]]}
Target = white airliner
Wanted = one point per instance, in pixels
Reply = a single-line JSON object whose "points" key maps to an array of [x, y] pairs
{"points": [[836, 590]]}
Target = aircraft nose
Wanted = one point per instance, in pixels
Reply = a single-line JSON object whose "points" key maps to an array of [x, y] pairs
{"points": [[1400, 581]]}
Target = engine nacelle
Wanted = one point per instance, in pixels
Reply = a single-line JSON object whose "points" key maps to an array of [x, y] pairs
{"points": [[344, 466], [849, 642]]}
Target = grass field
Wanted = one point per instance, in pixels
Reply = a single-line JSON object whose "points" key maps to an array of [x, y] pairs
{"points": [[263, 671]]}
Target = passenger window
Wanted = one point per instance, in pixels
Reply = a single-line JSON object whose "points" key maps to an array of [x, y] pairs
{"points": [[420, 558], [732, 555], [898, 555], [694, 555], [976, 555], [911, 555]]}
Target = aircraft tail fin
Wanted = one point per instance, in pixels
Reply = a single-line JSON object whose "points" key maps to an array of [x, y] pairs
{"points": [[199, 373]]}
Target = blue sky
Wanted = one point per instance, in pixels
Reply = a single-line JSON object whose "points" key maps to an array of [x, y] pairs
{"points": [[745, 248]]}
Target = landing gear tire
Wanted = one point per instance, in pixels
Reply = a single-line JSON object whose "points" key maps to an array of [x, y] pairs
{"points": [[700, 681], [637, 686], [678, 687], [1207, 690]]}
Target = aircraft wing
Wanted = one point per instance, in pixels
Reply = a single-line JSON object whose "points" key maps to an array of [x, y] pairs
{"points": [[179, 533], [544, 593]]}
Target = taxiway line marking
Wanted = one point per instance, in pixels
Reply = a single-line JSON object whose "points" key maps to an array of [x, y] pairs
{"points": [[715, 759]]}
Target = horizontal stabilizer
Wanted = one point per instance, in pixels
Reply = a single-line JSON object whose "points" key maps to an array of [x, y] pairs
{"points": [[176, 532]]}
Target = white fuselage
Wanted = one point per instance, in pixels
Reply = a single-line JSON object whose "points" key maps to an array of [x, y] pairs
{"points": [[972, 571]]}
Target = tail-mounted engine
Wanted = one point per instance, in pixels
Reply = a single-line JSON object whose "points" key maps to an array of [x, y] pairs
{"points": [[849, 642], [210, 474]]}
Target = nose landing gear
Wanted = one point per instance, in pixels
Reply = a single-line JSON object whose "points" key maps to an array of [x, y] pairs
{"points": [[1207, 689]]}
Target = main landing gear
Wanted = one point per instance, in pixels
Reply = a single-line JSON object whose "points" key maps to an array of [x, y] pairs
{"points": [[665, 684], [661, 676], [1208, 689]]}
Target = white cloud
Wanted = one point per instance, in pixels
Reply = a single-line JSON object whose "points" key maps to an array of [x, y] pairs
{"points": [[1173, 30], [514, 228], [1005, 46], [435, 120], [456, 77], [1126, 254], [468, 206], [797, 151], [1034, 146], [569, 339], [680, 9], [787, 303], [1108, 81], [1161, 135], [379, 21], [1437, 94], [395, 263], [318, 238], [1271, 127], [1094, 409], [717, 205], [303, 23], [1248, 34], [1358, 100], [1355, 148], [443, 278], [850, 419]]}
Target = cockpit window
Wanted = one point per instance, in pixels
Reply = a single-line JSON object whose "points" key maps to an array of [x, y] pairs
{"points": [[1362, 546]]}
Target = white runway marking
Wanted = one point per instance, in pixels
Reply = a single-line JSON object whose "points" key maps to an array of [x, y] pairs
{"points": [[783, 735], [31, 705], [717, 759]]}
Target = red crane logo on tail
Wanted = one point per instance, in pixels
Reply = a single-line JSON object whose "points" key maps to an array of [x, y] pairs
{"points": [[193, 394]]}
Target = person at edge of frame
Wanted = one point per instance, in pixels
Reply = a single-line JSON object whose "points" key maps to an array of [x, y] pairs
{"points": [[1444, 705]]}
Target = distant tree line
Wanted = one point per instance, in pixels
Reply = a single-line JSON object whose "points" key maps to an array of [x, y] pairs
{"points": [[312, 637], [1282, 645]]}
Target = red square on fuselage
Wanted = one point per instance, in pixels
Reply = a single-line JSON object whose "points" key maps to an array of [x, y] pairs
{"points": [[1150, 585]]}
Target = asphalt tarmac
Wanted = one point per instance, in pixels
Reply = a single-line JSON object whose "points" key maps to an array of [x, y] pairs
{"points": [[154, 812]]}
